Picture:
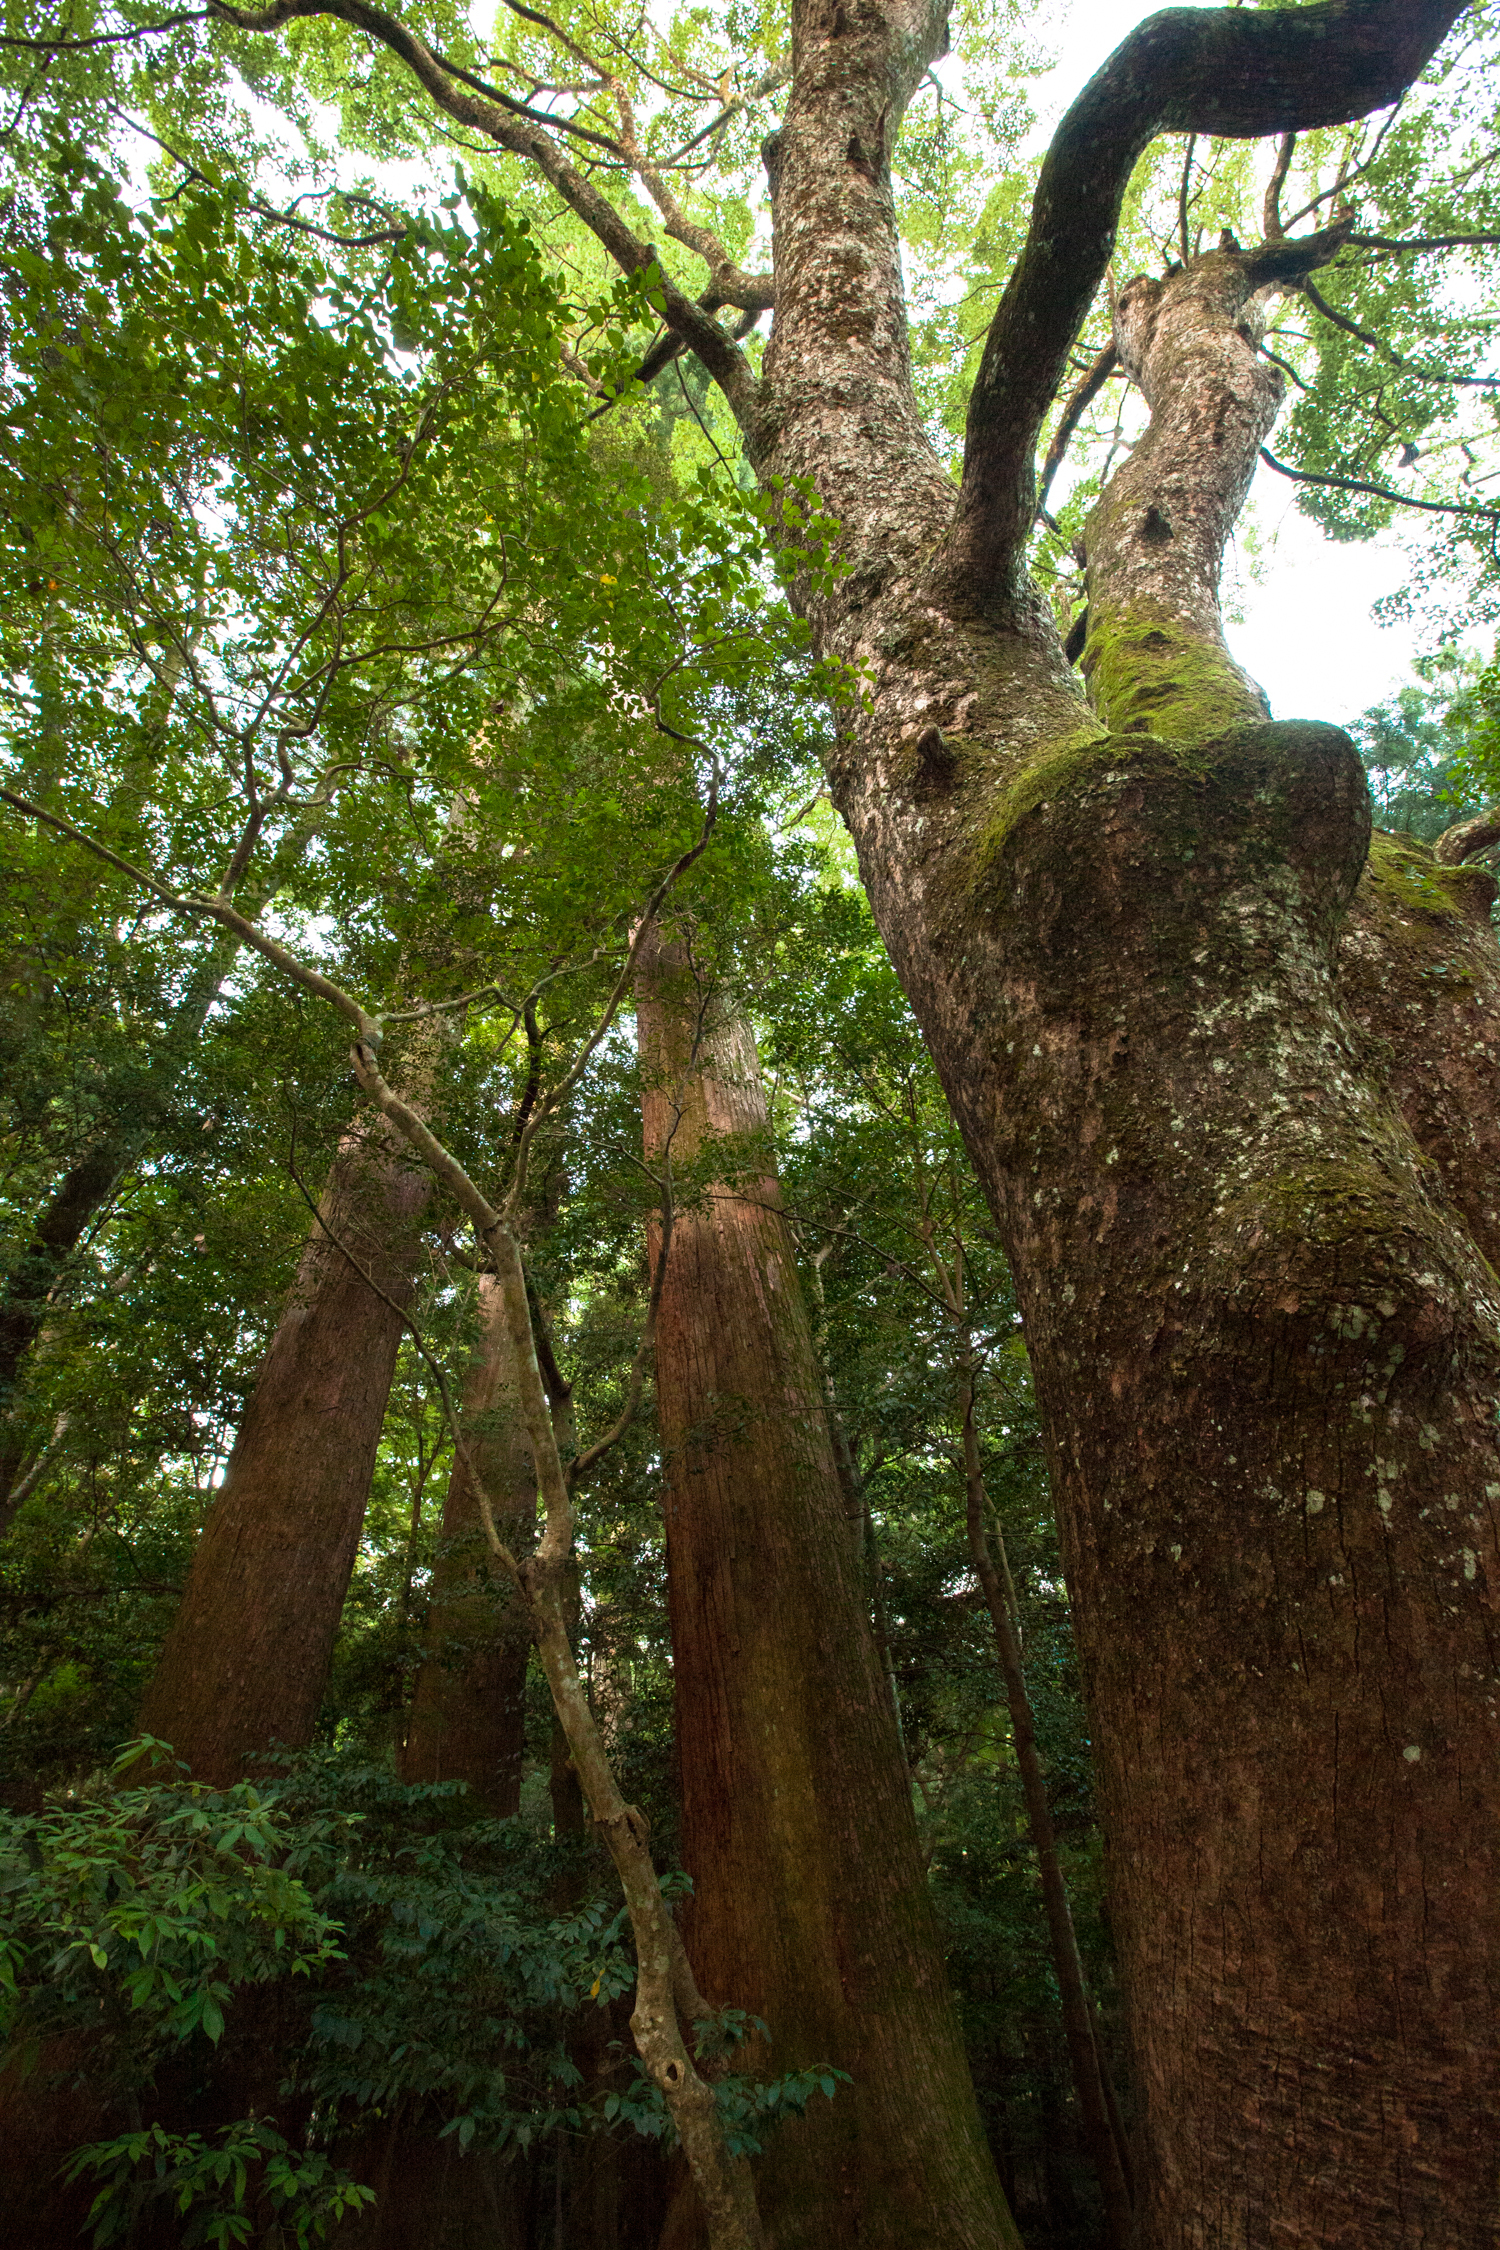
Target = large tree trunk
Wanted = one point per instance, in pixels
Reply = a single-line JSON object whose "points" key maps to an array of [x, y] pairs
{"points": [[468, 1712], [810, 1904], [246, 1661], [1264, 1337]]}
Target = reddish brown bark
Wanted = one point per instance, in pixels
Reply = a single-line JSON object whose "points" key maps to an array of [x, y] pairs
{"points": [[810, 1904], [246, 1661], [468, 1712]]}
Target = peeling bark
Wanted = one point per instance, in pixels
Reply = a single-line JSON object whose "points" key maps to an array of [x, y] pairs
{"points": [[810, 1904]]}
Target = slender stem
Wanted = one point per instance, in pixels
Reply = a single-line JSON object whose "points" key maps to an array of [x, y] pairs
{"points": [[1090, 2070], [723, 2181]]}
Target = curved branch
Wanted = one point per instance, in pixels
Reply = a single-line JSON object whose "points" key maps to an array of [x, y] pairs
{"points": [[1104, 364], [1388, 352], [1238, 73], [1379, 491]]}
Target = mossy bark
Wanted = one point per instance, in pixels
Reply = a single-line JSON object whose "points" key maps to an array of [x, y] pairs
{"points": [[1262, 1323], [810, 1904], [468, 1712]]}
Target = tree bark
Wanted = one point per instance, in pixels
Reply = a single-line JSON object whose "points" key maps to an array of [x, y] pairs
{"points": [[246, 1660], [1265, 1348], [810, 1905], [468, 1712]]}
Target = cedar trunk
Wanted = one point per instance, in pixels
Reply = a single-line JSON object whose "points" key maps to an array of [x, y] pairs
{"points": [[810, 1904], [246, 1661], [468, 1712]]}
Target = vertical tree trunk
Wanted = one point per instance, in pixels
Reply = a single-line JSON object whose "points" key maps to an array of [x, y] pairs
{"points": [[810, 1904], [246, 1661], [468, 1712]]}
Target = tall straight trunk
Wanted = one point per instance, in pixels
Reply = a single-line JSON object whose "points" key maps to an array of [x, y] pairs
{"points": [[810, 1905], [468, 1713], [246, 1660]]}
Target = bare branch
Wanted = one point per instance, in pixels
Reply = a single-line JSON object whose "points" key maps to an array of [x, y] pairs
{"points": [[214, 909], [522, 136], [1271, 209], [1104, 364], [1423, 241], [1388, 351], [1379, 491]]}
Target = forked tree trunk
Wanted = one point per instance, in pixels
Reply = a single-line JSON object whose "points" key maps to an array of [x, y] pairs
{"points": [[468, 1712], [1265, 1340], [810, 1904], [246, 1660]]}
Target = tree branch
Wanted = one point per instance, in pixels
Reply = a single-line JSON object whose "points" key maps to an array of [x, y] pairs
{"points": [[1238, 73], [1423, 241], [1104, 364], [1466, 837], [1388, 351], [521, 136], [1379, 491]]}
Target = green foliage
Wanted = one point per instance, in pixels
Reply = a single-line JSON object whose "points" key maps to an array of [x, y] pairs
{"points": [[150, 1907], [1425, 749], [214, 2186]]}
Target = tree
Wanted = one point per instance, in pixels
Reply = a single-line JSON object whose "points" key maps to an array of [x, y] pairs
{"points": [[809, 1907], [1216, 1265], [1264, 1342], [468, 1712], [246, 1662]]}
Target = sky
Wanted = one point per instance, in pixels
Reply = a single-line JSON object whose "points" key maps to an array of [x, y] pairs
{"points": [[1306, 629], [1307, 635]]}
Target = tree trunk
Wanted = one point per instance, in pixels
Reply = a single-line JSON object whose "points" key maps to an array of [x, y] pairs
{"points": [[246, 1661], [468, 1713], [810, 1905], [77, 1199]]}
